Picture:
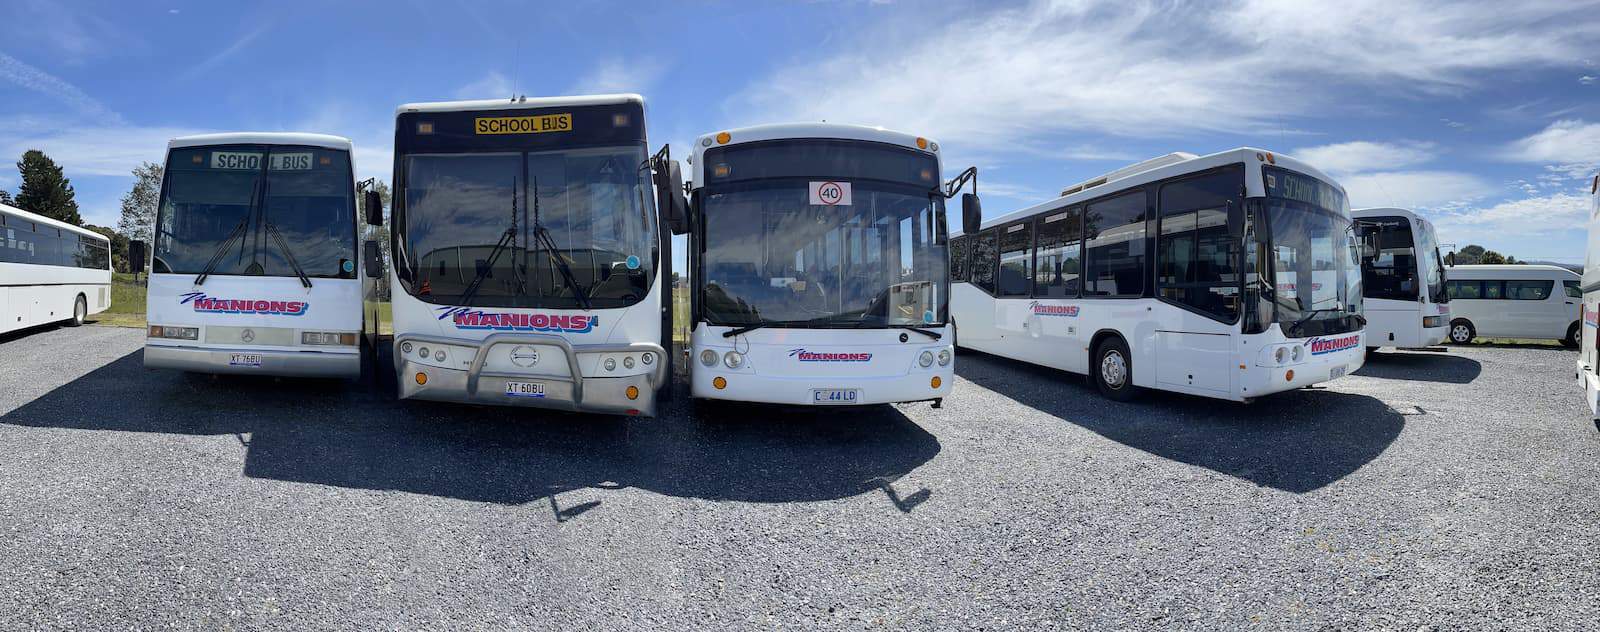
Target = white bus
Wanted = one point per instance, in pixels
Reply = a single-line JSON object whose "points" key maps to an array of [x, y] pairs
{"points": [[1514, 301], [50, 271], [819, 266], [1402, 279], [1589, 287], [254, 267], [528, 264], [1232, 275]]}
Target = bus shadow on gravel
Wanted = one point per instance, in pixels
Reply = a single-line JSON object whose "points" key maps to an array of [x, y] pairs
{"points": [[1421, 366], [352, 435], [1298, 441]]}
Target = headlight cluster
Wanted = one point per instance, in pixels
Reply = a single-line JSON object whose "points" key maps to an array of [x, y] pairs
{"points": [[428, 354], [175, 333], [730, 359], [1285, 354], [328, 338], [1429, 322], [629, 361], [929, 356]]}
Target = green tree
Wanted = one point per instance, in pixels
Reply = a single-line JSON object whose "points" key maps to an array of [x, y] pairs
{"points": [[1491, 257], [5, 198], [1469, 255], [119, 246], [139, 203], [45, 190]]}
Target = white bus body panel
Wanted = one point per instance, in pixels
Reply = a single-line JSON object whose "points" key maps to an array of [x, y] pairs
{"points": [[269, 340], [478, 360], [799, 366], [1506, 318], [1392, 323], [1588, 372], [33, 295]]}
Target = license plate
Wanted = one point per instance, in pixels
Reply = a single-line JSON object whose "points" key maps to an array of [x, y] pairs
{"points": [[835, 395], [525, 389], [1337, 371], [245, 359]]}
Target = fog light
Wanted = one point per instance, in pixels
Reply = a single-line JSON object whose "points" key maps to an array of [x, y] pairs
{"points": [[935, 382], [1288, 375], [632, 392], [944, 357], [422, 379], [733, 359], [926, 359], [708, 357], [611, 364], [720, 383], [627, 362]]}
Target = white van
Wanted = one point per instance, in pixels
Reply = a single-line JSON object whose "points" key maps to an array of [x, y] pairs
{"points": [[1514, 301]]}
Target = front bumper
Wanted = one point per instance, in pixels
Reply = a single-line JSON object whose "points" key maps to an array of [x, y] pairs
{"points": [[279, 363], [798, 391], [573, 392], [1266, 381]]}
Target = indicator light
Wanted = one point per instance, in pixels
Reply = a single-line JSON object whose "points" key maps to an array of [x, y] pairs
{"points": [[723, 138], [720, 383], [632, 392], [935, 382], [422, 379]]}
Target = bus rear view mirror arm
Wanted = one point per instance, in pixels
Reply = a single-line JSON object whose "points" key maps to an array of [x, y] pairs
{"points": [[668, 177], [971, 209]]}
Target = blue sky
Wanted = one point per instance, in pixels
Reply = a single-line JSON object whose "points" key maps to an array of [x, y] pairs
{"points": [[1484, 118]]}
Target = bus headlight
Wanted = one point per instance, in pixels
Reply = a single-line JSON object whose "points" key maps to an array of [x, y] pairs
{"points": [[647, 358], [176, 333], [944, 357], [1299, 353], [1280, 355], [926, 359], [405, 347], [423, 352], [627, 362], [611, 364], [708, 357], [733, 359]]}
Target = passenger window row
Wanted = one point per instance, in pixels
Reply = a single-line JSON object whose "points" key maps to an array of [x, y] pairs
{"points": [[1528, 290], [25, 241]]}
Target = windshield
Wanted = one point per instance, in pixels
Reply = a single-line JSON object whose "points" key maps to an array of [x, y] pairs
{"points": [[229, 200], [1316, 279], [541, 229], [772, 256], [1431, 262]]}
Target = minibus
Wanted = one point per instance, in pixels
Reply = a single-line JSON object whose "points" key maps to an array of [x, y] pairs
{"points": [[1514, 301]]}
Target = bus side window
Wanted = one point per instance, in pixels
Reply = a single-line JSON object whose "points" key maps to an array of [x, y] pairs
{"points": [[1016, 257], [1114, 230], [1196, 263], [984, 255], [1494, 289], [1060, 257]]}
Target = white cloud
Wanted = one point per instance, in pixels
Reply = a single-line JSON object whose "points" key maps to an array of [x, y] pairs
{"points": [[1364, 156], [99, 150], [992, 81], [492, 86], [30, 78], [1534, 221], [1570, 147], [617, 75], [1415, 189]]}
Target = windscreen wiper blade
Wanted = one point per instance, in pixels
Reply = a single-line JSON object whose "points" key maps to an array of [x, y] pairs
{"points": [[494, 255], [222, 249], [921, 330], [283, 244], [1308, 316], [549, 243]]}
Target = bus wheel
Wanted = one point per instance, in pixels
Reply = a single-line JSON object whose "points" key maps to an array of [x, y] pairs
{"points": [[1462, 332], [1574, 337], [80, 311], [1113, 370]]}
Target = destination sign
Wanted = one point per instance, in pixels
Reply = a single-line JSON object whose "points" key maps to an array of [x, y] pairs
{"points": [[522, 124], [1282, 183]]}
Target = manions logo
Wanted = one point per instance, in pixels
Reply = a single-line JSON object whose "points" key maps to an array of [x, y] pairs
{"points": [[1320, 346], [812, 356], [1040, 309], [207, 304], [466, 318]]}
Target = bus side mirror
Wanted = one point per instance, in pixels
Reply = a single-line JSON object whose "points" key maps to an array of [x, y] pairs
{"points": [[669, 198], [136, 250], [374, 259], [971, 214], [374, 206], [1450, 259]]}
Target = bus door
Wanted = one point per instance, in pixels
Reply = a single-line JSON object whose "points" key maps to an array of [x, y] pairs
{"points": [[1197, 277]]}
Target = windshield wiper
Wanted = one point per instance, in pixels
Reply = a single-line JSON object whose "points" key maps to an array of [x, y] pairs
{"points": [[548, 243], [483, 273], [222, 249], [921, 330], [283, 244], [1307, 318]]}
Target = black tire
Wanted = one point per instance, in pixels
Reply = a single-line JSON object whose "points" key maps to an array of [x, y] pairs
{"points": [[80, 311], [1112, 370], [1461, 331], [1574, 337]]}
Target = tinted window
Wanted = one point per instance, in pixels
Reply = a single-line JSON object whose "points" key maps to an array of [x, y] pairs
{"points": [[1494, 289], [983, 260], [1572, 289], [1464, 289], [958, 259], [1060, 254], [1529, 290], [1016, 259], [1392, 272], [1195, 266], [1114, 252]]}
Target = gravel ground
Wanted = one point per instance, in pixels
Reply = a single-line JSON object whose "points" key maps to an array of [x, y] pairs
{"points": [[1449, 491]]}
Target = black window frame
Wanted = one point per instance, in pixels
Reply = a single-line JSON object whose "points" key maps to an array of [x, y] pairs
{"points": [[1570, 285], [1145, 266], [1234, 210], [1074, 224]]}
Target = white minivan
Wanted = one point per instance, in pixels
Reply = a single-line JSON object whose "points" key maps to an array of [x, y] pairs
{"points": [[1514, 301]]}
